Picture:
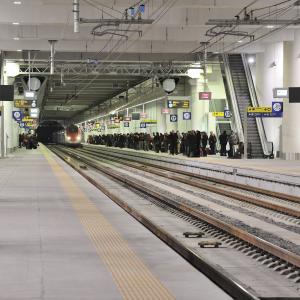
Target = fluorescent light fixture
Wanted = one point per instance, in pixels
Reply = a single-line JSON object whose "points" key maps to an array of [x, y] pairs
{"points": [[251, 60], [17, 2], [240, 41], [16, 38], [195, 72], [12, 69], [16, 23], [19, 50], [270, 26]]}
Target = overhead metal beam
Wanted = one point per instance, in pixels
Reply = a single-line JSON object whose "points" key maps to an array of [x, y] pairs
{"points": [[116, 69], [234, 22], [116, 22]]}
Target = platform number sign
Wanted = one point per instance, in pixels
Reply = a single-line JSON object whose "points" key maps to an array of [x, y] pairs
{"points": [[187, 115], [227, 113], [126, 124], [143, 125], [173, 118]]}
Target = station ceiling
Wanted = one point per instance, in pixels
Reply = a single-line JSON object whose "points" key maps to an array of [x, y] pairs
{"points": [[177, 34]]}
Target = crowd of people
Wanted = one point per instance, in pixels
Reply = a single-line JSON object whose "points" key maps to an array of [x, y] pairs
{"points": [[193, 143], [29, 141]]}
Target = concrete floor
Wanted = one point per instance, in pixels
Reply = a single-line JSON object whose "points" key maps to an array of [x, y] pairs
{"points": [[48, 251]]}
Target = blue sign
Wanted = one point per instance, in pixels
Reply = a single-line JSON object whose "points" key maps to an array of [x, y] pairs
{"points": [[187, 115], [227, 114], [17, 115], [22, 125], [173, 118], [277, 107], [143, 125]]}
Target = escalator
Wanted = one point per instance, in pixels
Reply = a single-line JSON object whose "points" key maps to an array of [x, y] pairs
{"points": [[243, 98]]}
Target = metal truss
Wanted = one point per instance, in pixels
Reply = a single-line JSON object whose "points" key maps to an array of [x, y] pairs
{"points": [[137, 69]]}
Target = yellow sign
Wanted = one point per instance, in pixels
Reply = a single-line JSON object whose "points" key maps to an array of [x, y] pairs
{"points": [[218, 114], [23, 103], [149, 121], [262, 109], [28, 119]]}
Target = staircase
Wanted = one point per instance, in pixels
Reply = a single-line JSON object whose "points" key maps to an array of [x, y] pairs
{"points": [[243, 98]]}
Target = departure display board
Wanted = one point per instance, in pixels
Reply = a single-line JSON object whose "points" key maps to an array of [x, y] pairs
{"points": [[178, 103], [294, 94], [23, 103]]}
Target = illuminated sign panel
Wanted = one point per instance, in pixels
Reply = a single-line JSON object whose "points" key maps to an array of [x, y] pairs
{"points": [[178, 103]]}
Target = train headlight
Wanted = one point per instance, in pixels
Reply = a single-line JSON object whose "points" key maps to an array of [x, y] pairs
{"points": [[78, 138], [68, 138]]}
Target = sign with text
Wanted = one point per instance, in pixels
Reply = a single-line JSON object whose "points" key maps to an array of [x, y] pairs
{"points": [[227, 114], [149, 121], [261, 109], [280, 93], [23, 103], [275, 111], [143, 125], [205, 95], [143, 115], [219, 114], [126, 124], [178, 103], [127, 119], [165, 110]]}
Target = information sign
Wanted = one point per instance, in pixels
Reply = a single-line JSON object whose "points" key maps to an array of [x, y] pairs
{"points": [[187, 115], [173, 118], [127, 119], [23, 103], [205, 95], [126, 124], [227, 114], [135, 116], [165, 110], [178, 103], [150, 121], [218, 114], [17, 115], [261, 109], [143, 125], [275, 111], [280, 93]]}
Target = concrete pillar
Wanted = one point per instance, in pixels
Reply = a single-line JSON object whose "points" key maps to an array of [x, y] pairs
{"points": [[290, 145], [199, 108], [161, 118], [171, 126]]}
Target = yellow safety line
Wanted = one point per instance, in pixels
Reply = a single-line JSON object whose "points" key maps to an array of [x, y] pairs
{"points": [[132, 276]]}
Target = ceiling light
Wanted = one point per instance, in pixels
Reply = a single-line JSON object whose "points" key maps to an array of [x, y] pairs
{"points": [[12, 69], [251, 60], [195, 71], [17, 2], [19, 50], [240, 41], [270, 26], [16, 23], [16, 38]]}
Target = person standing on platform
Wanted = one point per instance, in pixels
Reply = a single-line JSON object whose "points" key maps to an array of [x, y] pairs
{"points": [[204, 140], [212, 143], [233, 141], [156, 142], [223, 138]]}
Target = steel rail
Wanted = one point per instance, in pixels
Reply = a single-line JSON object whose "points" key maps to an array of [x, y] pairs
{"points": [[260, 243], [282, 196], [188, 179], [221, 278]]}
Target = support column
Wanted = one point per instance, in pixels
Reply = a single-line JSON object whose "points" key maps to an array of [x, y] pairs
{"points": [[161, 118], [199, 108]]}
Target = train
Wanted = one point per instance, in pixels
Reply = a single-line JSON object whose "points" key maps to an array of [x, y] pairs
{"points": [[69, 136]]}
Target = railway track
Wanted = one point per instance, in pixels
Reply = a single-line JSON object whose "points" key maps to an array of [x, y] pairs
{"points": [[284, 204], [275, 257]]}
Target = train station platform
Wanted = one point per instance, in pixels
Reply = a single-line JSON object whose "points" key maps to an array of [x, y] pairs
{"points": [[61, 238], [274, 174]]}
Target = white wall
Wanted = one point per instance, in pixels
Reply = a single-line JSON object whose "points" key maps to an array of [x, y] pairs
{"points": [[267, 78]]}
